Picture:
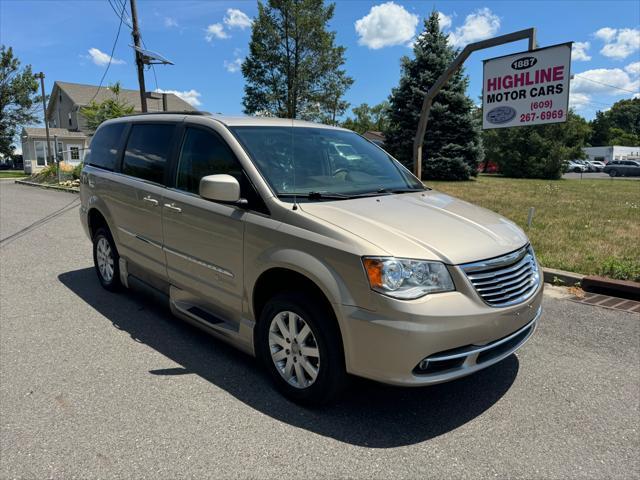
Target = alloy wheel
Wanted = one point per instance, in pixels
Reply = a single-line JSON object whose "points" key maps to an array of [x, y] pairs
{"points": [[294, 349], [104, 257]]}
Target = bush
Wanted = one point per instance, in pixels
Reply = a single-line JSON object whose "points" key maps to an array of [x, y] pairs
{"points": [[48, 172], [76, 171]]}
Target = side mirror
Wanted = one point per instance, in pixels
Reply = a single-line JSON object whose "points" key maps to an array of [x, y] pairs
{"points": [[221, 188]]}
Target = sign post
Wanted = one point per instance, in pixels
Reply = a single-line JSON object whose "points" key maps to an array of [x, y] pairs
{"points": [[528, 88]]}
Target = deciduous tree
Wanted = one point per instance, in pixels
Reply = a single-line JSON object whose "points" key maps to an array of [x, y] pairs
{"points": [[19, 100], [96, 113]]}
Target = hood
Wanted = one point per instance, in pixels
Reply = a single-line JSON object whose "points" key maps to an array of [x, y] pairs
{"points": [[426, 225]]}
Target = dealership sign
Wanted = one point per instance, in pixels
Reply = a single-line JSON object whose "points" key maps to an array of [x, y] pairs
{"points": [[529, 88]]}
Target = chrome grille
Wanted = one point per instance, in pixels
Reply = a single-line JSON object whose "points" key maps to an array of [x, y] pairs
{"points": [[506, 280]]}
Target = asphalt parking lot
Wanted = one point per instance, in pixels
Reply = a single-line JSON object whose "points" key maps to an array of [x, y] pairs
{"points": [[595, 176], [105, 385]]}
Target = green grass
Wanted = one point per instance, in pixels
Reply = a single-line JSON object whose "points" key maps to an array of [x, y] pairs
{"points": [[12, 174], [584, 226]]}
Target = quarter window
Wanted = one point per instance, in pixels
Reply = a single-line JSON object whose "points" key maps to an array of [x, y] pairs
{"points": [[105, 146], [147, 151]]}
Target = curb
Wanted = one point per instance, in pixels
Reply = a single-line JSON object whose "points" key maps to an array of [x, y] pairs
{"points": [[567, 279], [609, 286], [50, 187]]}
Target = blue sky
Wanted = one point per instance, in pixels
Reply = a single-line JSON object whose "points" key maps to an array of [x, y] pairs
{"points": [[71, 41]]}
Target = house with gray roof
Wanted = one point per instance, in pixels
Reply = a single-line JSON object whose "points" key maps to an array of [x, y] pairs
{"points": [[69, 127]]}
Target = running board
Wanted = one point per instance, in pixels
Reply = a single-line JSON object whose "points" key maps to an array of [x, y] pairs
{"points": [[204, 317]]}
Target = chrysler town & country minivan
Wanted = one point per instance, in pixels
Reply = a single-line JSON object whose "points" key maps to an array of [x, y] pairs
{"points": [[263, 233]]}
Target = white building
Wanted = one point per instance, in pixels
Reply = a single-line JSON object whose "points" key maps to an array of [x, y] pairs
{"points": [[615, 152]]}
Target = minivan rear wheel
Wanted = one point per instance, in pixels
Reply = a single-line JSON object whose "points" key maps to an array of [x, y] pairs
{"points": [[298, 344], [106, 260], [613, 173]]}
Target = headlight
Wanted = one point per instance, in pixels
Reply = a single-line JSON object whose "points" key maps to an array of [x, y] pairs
{"points": [[406, 279]]}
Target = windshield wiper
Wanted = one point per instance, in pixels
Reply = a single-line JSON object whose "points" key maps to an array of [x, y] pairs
{"points": [[317, 195], [400, 190]]}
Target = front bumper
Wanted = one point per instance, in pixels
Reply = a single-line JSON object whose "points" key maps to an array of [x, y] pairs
{"points": [[457, 333]]}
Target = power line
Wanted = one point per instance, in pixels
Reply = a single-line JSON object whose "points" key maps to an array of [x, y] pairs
{"points": [[113, 49], [120, 15], [605, 84]]}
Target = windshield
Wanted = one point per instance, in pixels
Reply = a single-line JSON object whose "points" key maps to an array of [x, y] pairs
{"points": [[315, 161]]}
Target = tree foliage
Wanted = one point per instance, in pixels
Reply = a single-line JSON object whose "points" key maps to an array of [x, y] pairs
{"points": [[366, 118], [95, 113], [620, 125], [19, 101], [452, 146], [293, 69], [539, 151]]}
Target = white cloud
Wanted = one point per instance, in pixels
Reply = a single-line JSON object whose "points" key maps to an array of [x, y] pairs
{"points": [[215, 30], [607, 81], [233, 66], [445, 20], [385, 25], [633, 68], [619, 43], [170, 22], [192, 97], [579, 51], [607, 34], [237, 19], [579, 100], [481, 24], [102, 59]]}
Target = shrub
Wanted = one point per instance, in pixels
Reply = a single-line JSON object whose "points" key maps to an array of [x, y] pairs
{"points": [[77, 170]]}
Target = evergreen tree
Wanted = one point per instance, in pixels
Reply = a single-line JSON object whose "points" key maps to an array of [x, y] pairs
{"points": [[452, 145], [293, 69]]}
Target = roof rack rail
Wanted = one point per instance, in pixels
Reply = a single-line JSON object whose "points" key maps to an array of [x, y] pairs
{"points": [[173, 112]]}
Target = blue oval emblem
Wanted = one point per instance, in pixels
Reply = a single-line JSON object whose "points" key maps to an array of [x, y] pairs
{"points": [[523, 63], [501, 115]]}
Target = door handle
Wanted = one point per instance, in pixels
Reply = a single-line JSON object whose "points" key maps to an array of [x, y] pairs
{"points": [[172, 207], [150, 200]]}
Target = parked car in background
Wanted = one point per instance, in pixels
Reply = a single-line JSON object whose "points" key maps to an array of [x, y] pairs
{"points": [[574, 166], [622, 168], [318, 263], [595, 165]]}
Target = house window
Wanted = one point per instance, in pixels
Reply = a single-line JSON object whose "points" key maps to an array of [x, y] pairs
{"points": [[75, 153], [41, 153], [69, 114]]}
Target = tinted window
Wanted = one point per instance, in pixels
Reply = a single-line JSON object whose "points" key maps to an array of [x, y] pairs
{"points": [[104, 146], [147, 151], [203, 154]]}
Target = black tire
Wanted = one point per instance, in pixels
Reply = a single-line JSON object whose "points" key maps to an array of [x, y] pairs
{"points": [[331, 376], [613, 173], [113, 283], [576, 170]]}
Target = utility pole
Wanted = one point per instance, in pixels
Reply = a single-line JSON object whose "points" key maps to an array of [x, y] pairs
{"points": [[139, 60], [44, 114]]}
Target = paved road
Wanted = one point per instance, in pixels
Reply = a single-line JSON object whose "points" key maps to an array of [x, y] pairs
{"points": [[94, 384], [595, 176]]}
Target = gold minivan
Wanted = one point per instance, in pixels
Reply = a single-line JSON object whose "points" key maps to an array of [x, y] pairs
{"points": [[309, 247]]}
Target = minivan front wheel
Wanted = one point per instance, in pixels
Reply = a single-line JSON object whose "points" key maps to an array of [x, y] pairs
{"points": [[105, 260], [300, 348]]}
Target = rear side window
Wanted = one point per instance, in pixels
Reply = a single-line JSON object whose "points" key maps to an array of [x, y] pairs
{"points": [[104, 146], [147, 151]]}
